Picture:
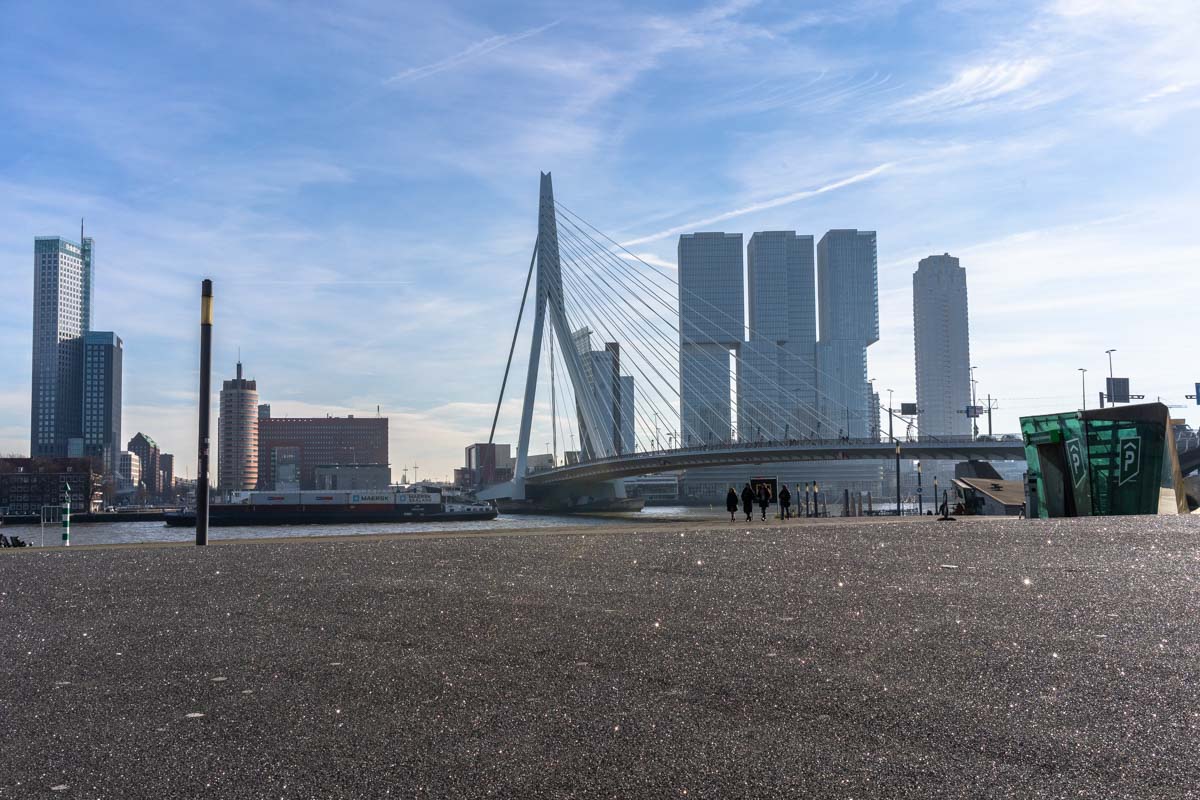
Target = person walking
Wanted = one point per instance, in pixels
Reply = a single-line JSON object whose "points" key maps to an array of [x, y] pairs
{"points": [[748, 502], [731, 503], [764, 499], [785, 502]]}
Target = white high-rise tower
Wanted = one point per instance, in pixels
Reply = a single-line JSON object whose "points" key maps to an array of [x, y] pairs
{"points": [[943, 346]]}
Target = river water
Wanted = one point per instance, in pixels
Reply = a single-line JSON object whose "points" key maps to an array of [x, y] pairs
{"points": [[134, 532]]}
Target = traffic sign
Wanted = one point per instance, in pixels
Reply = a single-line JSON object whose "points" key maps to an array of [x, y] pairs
{"points": [[1118, 390], [1131, 459], [974, 411], [908, 409], [1078, 459]]}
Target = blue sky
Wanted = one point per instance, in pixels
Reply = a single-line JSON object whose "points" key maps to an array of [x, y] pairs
{"points": [[360, 181]]}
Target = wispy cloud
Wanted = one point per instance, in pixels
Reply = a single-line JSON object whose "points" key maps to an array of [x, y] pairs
{"points": [[474, 51], [977, 85], [774, 202]]}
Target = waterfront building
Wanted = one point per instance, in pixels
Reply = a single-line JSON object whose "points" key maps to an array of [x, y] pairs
{"points": [[332, 477], [708, 485], [148, 453], [29, 484], [711, 327], [129, 470], [848, 316], [101, 413], [62, 314], [486, 464], [942, 345], [264, 410], [317, 441], [166, 470], [626, 424], [610, 394], [237, 434], [777, 371]]}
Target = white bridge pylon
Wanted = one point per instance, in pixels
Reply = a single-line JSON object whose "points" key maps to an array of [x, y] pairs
{"points": [[549, 309]]}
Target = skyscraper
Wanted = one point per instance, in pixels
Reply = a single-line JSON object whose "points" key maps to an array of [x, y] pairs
{"points": [[777, 376], [710, 327], [237, 435], [848, 305], [62, 314], [943, 347], [101, 415], [610, 393]]}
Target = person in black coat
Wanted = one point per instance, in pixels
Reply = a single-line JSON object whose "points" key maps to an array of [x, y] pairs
{"points": [[731, 503], [764, 499], [785, 502], [748, 502]]}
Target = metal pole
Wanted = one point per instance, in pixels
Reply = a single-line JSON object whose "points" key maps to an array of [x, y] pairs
{"points": [[897, 478], [206, 323], [920, 503], [974, 403], [1083, 380], [989, 415]]}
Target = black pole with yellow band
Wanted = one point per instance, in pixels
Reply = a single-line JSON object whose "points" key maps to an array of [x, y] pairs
{"points": [[206, 322]]}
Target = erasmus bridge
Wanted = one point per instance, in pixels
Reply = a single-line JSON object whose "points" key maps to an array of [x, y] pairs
{"points": [[627, 404]]}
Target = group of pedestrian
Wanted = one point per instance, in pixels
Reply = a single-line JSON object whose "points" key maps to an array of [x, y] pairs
{"points": [[762, 496]]}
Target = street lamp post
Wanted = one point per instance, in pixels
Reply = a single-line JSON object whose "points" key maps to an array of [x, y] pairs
{"points": [[891, 432], [974, 404], [1083, 384], [898, 512], [920, 501], [1110, 373]]}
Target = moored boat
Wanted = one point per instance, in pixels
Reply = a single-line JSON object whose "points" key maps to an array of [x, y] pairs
{"points": [[338, 508]]}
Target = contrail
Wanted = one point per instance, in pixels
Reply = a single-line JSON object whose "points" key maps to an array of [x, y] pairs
{"points": [[480, 48], [772, 203]]}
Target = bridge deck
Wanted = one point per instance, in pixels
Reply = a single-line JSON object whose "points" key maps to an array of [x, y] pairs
{"points": [[648, 463]]}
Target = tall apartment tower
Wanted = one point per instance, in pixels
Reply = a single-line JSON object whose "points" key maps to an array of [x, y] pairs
{"points": [[848, 305], [101, 416], [777, 371], [711, 326], [237, 435], [62, 314], [610, 394], [943, 346]]}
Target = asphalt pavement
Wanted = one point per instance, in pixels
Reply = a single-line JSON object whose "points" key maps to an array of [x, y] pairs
{"points": [[1005, 658]]}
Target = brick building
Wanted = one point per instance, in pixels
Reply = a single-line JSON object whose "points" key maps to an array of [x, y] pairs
{"points": [[148, 454], [315, 441], [27, 484]]}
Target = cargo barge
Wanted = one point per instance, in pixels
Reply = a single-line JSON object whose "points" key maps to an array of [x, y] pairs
{"points": [[337, 508]]}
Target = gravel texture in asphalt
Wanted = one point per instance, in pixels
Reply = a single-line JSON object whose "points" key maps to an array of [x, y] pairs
{"points": [[1003, 658]]}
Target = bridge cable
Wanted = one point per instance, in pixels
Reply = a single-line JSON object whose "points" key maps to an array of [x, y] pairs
{"points": [[786, 413], [513, 346], [817, 369]]}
